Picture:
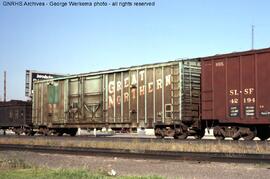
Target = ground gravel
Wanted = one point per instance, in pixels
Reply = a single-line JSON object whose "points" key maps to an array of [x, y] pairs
{"points": [[124, 166]]}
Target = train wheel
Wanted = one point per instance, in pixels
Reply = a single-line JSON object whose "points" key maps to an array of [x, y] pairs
{"points": [[29, 131], [251, 134], [183, 135], [159, 136], [32, 133], [263, 132], [236, 133], [218, 133], [199, 134], [159, 133], [72, 131], [59, 133], [17, 131], [219, 137], [249, 137], [181, 132], [44, 131], [236, 138]]}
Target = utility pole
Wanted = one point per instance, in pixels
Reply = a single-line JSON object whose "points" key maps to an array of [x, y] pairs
{"points": [[252, 37], [5, 86]]}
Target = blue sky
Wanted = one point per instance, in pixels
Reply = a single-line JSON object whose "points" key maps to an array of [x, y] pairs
{"points": [[83, 39]]}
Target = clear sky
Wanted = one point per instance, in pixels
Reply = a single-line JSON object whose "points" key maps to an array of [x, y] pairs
{"points": [[83, 39]]}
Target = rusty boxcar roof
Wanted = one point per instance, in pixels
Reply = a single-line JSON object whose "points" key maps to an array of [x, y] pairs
{"points": [[232, 54]]}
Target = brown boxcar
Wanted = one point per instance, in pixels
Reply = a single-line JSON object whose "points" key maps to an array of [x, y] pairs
{"points": [[235, 94], [16, 115], [165, 96]]}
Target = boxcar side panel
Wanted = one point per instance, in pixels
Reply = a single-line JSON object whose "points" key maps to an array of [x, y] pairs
{"points": [[90, 100], [150, 96], [232, 103], [141, 95], [133, 97], [263, 86], [111, 98], [219, 77], [167, 104], [118, 97], [235, 88], [158, 95], [125, 97]]}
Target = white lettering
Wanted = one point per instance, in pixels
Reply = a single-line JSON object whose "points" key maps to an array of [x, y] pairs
{"points": [[111, 102], [159, 84], [142, 90], [150, 87], [168, 80], [126, 97], [111, 87], [133, 79], [119, 86], [44, 76], [126, 82], [118, 99], [142, 75]]}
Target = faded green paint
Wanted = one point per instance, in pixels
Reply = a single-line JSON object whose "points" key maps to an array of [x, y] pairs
{"points": [[53, 94]]}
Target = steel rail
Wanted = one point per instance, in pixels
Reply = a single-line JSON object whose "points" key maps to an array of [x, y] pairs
{"points": [[143, 154]]}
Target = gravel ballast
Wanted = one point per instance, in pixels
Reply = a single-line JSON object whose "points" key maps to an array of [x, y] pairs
{"points": [[123, 166]]}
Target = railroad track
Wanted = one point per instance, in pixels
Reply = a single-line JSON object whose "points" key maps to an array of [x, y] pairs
{"points": [[142, 154], [140, 139]]}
